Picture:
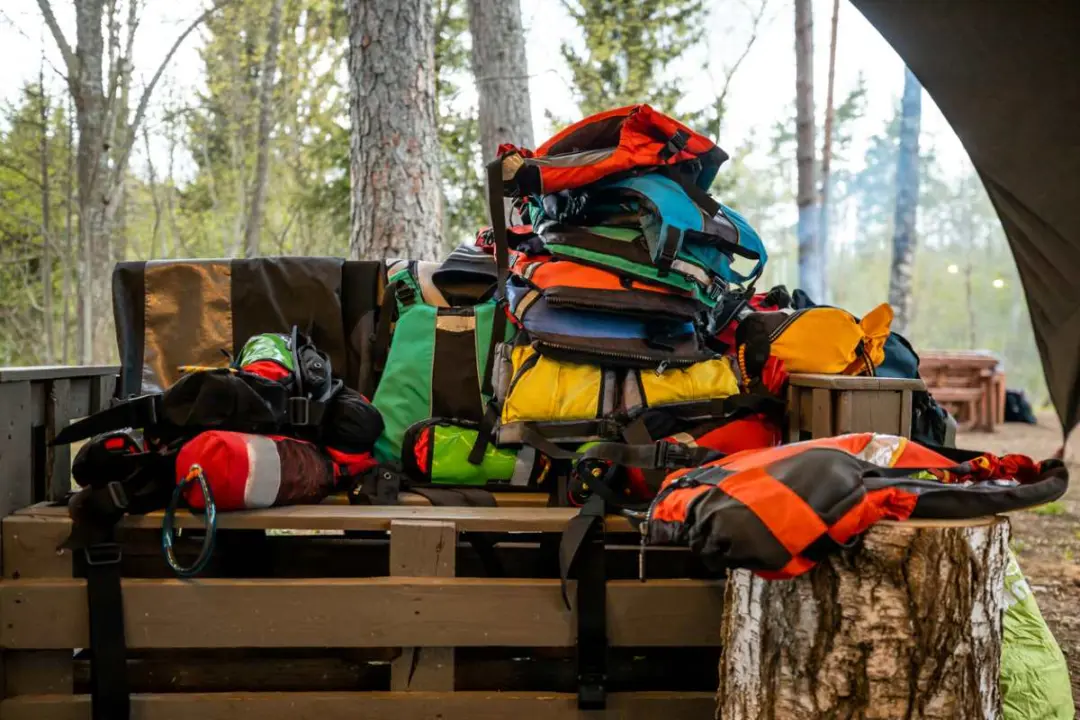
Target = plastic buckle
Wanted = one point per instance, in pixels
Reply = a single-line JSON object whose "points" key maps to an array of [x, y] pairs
{"points": [[299, 411], [103, 554], [405, 294], [117, 494], [592, 694], [672, 455]]}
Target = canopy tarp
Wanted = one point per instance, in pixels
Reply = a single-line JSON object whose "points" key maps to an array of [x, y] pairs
{"points": [[1006, 75]]}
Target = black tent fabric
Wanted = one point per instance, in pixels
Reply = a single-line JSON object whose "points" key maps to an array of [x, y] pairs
{"points": [[1006, 75]]}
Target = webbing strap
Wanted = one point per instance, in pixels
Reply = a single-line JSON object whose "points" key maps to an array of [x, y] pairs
{"points": [[701, 198], [381, 346], [498, 225], [648, 455], [581, 552], [139, 412], [109, 698]]}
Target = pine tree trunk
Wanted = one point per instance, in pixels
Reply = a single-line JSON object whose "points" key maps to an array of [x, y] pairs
{"points": [[826, 159], [502, 78], [262, 162], [395, 209], [810, 262], [907, 203], [906, 625]]}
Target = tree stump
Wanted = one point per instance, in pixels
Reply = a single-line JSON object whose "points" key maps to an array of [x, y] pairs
{"points": [[907, 624]]}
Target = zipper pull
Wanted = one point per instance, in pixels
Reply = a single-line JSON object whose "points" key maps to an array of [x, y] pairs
{"points": [[661, 368], [644, 527]]}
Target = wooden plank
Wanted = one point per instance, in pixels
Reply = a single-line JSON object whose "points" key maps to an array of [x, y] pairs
{"points": [[794, 414], [54, 372], [38, 672], [843, 412], [31, 548], [364, 517], [821, 416], [57, 457], [502, 499], [16, 451], [362, 612], [423, 549], [373, 706], [846, 382], [905, 413], [876, 412]]}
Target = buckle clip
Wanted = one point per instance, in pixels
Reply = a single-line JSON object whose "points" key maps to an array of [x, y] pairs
{"points": [[103, 554], [299, 411], [117, 494], [672, 455], [592, 695]]}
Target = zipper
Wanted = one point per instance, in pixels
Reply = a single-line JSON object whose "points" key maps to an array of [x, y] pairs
{"points": [[557, 299], [650, 360], [784, 325], [526, 366]]}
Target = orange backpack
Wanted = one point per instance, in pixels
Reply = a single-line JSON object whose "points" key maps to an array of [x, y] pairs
{"points": [[619, 141]]}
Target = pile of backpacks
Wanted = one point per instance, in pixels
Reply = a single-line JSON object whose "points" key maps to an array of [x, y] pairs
{"points": [[610, 348]]}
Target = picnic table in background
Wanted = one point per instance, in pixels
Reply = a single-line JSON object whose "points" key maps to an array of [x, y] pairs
{"points": [[969, 383]]}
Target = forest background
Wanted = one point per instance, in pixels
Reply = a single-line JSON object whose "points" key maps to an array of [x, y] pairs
{"points": [[251, 141]]}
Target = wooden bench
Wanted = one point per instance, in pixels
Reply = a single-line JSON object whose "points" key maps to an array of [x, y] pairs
{"points": [[969, 384], [827, 405], [384, 613]]}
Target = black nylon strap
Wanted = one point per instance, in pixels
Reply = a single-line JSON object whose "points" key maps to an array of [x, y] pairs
{"points": [[483, 434], [637, 433], [139, 412], [381, 346], [109, 698], [498, 334], [701, 198], [498, 225], [582, 549], [650, 455]]}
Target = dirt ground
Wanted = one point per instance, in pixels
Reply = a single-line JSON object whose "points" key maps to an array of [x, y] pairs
{"points": [[1047, 540]]}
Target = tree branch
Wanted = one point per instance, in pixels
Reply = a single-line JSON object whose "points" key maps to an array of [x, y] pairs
{"points": [[144, 101], [755, 25], [58, 36]]}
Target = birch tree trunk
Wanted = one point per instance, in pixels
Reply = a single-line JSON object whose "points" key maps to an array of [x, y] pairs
{"points": [[46, 234], [826, 157], [811, 267], [502, 77], [262, 162], [395, 205], [907, 203], [906, 625]]}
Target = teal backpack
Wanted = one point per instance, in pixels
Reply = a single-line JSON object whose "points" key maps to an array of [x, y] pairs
{"points": [[436, 364], [650, 226]]}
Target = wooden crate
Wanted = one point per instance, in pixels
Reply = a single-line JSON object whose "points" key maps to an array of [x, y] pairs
{"points": [[385, 613], [827, 405]]}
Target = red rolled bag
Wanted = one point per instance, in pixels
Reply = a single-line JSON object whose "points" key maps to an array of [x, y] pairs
{"points": [[248, 472]]}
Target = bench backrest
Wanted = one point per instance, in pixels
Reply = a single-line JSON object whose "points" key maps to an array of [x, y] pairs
{"points": [[186, 312]]}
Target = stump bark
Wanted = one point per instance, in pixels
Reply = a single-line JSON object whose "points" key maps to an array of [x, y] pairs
{"points": [[905, 625]]}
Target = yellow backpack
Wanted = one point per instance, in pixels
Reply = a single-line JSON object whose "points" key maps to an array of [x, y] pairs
{"points": [[814, 340]]}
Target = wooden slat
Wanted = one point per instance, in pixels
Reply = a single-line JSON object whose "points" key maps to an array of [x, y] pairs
{"points": [[906, 407], [365, 612], [423, 549], [57, 457], [52, 372], [38, 672], [31, 547], [16, 447], [845, 382], [794, 414], [876, 412], [505, 499], [821, 415], [373, 706], [360, 517]]}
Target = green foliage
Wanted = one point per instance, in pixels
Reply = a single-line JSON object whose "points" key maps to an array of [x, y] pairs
{"points": [[1051, 508], [459, 129], [627, 49], [24, 277]]}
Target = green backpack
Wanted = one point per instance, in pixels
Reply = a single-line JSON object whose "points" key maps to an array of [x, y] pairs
{"points": [[435, 387]]}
